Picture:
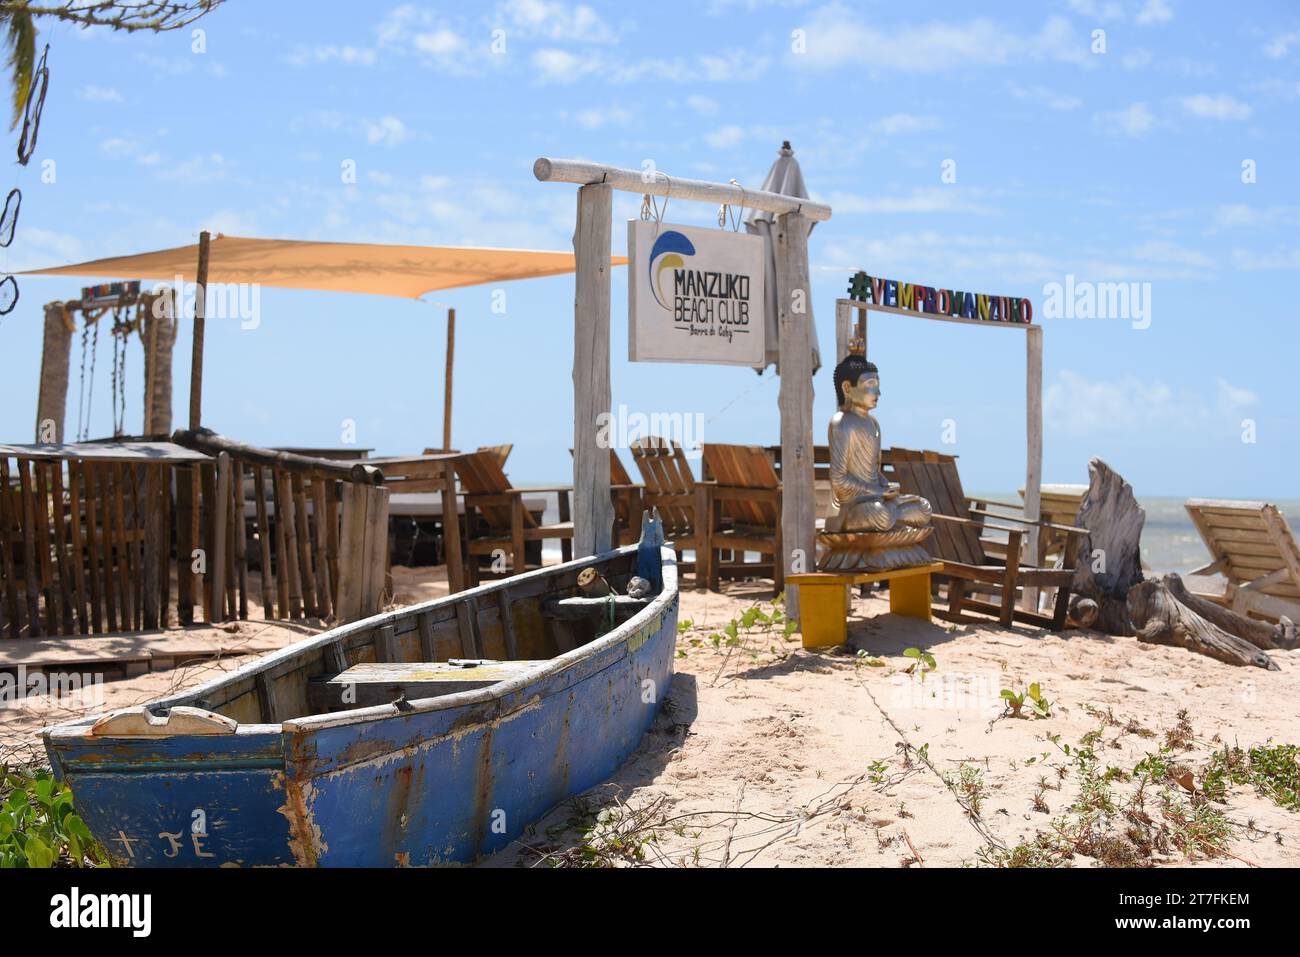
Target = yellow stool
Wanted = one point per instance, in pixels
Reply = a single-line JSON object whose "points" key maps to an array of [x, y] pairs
{"points": [[824, 599]]}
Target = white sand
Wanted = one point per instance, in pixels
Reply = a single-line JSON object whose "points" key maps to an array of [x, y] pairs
{"points": [[763, 754]]}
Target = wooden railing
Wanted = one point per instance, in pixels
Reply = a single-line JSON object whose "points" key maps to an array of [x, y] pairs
{"points": [[89, 535]]}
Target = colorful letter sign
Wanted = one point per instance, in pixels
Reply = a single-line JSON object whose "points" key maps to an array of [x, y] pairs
{"points": [[928, 300], [694, 295]]}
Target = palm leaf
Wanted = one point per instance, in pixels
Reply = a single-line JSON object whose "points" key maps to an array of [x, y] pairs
{"points": [[20, 38]]}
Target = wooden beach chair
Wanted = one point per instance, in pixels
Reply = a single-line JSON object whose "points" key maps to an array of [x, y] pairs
{"points": [[1059, 505], [626, 497], [502, 452], [683, 503], [495, 516], [1251, 545], [745, 512], [983, 572]]}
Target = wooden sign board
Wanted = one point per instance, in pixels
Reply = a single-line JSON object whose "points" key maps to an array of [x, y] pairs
{"points": [[694, 295]]}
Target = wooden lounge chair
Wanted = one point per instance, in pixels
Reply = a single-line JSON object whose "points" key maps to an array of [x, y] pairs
{"points": [[1252, 547], [502, 452], [626, 497], [1058, 504], [983, 573], [670, 486], [745, 511], [495, 516]]}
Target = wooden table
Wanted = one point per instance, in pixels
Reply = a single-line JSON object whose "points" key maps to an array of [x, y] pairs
{"points": [[824, 599], [431, 473]]}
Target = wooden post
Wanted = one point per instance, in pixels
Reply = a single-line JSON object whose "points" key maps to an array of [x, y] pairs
{"points": [[52, 398], [795, 322], [446, 388], [200, 313], [593, 513], [843, 330], [1034, 445], [216, 556], [160, 337]]}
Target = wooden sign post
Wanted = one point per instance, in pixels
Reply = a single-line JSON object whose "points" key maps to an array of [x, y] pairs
{"points": [[200, 313], [593, 509]]}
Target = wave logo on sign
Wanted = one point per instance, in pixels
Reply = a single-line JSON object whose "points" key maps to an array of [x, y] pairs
{"points": [[668, 252]]}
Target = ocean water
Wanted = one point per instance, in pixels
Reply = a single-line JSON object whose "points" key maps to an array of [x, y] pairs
{"points": [[1169, 540]]}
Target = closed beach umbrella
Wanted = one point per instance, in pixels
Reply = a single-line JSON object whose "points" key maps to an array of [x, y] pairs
{"points": [[785, 178]]}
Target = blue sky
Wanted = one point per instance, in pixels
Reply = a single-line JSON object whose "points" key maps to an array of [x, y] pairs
{"points": [[1123, 165]]}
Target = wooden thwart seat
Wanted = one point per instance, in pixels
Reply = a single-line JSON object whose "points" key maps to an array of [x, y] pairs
{"points": [[1251, 545], [372, 683]]}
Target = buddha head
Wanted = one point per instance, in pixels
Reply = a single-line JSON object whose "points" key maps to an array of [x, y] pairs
{"points": [[857, 381]]}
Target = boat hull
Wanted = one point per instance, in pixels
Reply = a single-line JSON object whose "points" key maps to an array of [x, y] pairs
{"points": [[448, 781]]}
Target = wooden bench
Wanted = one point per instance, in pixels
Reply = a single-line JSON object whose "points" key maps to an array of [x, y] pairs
{"points": [[824, 599], [372, 683]]}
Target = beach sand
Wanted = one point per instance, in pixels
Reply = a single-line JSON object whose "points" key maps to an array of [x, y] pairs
{"points": [[766, 755]]}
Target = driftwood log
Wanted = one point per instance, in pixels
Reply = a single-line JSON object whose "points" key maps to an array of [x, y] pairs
{"points": [[1259, 633], [1160, 619], [1109, 560]]}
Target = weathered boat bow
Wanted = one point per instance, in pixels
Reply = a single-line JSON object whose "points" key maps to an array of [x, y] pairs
{"points": [[431, 734]]}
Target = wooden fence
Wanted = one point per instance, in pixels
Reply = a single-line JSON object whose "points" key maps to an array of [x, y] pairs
{"points": [[131, 536]]}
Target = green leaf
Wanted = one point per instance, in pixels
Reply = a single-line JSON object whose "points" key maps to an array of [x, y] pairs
{"points": [[912, 653]]}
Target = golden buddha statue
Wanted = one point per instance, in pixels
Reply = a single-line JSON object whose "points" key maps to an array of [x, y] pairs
{"points": [[871, 526]]}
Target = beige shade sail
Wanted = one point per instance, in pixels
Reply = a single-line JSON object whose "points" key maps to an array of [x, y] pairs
{"points": [[406, 271]]}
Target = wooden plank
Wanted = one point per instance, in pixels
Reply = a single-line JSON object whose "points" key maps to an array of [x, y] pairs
{"points": [[217, 555], [9, 533], [593, 512], [352, 553], [303, 533], [126, 566], [374, 585], [108, 552], [320, 551], [289, 540], [166, 515], [207, 498], [451, 533], [508, 623], [264, 541], [281, 549], [471, 642], [1033, 450], [386, 645], [152, 545], [332, 492], [795, 322], [70, 616], [267, 699], [94, 570], [240, 526], [43, 545], [428, 651], [843, 330], [185, 545]]}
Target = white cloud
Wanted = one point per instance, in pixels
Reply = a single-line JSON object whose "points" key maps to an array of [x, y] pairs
{"points": [[99, 94], [1135, 120], [431, 38], [1280, 45], [934, 199], [703, 105], [897, 123], [329, 53], [387, 131], [561, 66], [1155, 11], [554, 65], [556, 21], [1049, 98], [1096, 10], [1249, 260], [118, 148], [725, 138], [1079, 404], [594, 119], [837, 36], [1221, 107], [1136, 59]]}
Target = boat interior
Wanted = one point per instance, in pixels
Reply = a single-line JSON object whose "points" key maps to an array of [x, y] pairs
{"points": [[459, 643]]}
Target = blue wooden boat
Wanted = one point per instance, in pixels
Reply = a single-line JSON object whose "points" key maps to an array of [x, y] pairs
{"points": [[431, 734]]}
